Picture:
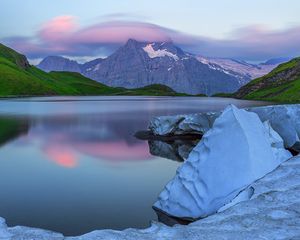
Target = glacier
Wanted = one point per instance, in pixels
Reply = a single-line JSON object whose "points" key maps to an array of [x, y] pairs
{"points": [[235, 152]]}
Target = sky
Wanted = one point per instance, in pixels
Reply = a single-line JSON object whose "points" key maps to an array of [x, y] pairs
{"points": [[253, 30]]}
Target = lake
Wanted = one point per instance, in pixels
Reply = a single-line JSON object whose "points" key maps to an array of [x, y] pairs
{"points": [[72, 164]]}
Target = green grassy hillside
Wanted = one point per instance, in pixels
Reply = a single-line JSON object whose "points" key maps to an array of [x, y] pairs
{"points": [[18, 78], [280, 85]]}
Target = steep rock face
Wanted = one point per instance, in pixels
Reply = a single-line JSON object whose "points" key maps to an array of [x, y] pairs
{"points": [[139, 64], [217, 170], [55, 63]]}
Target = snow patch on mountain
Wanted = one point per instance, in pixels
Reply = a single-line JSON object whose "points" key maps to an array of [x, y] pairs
{"points": [[159, 53], [243, 68]]}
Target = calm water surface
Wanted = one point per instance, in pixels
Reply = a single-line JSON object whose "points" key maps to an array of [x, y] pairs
{"points": [[72, 165]]}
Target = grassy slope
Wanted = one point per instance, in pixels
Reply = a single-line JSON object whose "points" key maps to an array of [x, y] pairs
{"points": [[282, 90], [18, 78], [18, 81], [288, 92], [76, 84]]}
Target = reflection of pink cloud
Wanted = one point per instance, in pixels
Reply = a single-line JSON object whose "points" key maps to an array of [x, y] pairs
{"points": [[61, 155], [117, 151]]}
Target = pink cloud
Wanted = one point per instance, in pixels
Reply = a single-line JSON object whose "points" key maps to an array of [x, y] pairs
{"points": [[58, 29], [63, 36]]}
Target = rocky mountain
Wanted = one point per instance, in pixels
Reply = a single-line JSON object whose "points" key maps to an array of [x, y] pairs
{"points": [[282, 84], [138, 64], [57, 63], [89, 66]]}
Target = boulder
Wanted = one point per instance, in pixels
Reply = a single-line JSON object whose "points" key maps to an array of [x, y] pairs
{"points": [[235, 152]]}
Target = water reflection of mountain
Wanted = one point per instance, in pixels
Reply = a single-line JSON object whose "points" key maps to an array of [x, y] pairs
{"points": [[107, 137], [12, 128], [177, 150]]}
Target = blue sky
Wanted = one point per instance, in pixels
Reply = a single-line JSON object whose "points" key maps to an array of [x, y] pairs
{"points": [[217, 20]]}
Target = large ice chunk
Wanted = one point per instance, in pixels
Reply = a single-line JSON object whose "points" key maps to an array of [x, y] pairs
{"points": [[238, 150], [165, 125], [183, 124], [284, 119]]}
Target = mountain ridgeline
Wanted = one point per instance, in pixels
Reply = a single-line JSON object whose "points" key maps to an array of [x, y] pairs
{"points": [[138, 64], [19, 78]]}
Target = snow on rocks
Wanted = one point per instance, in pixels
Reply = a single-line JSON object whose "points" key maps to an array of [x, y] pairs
{"points": [[237, 151]]}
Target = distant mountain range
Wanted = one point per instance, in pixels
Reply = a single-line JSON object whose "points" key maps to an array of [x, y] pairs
{"points": [[138, 64], [19, 78]]}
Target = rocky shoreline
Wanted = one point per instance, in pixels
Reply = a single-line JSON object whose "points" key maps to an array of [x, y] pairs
{"points": [[261, 202]]}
